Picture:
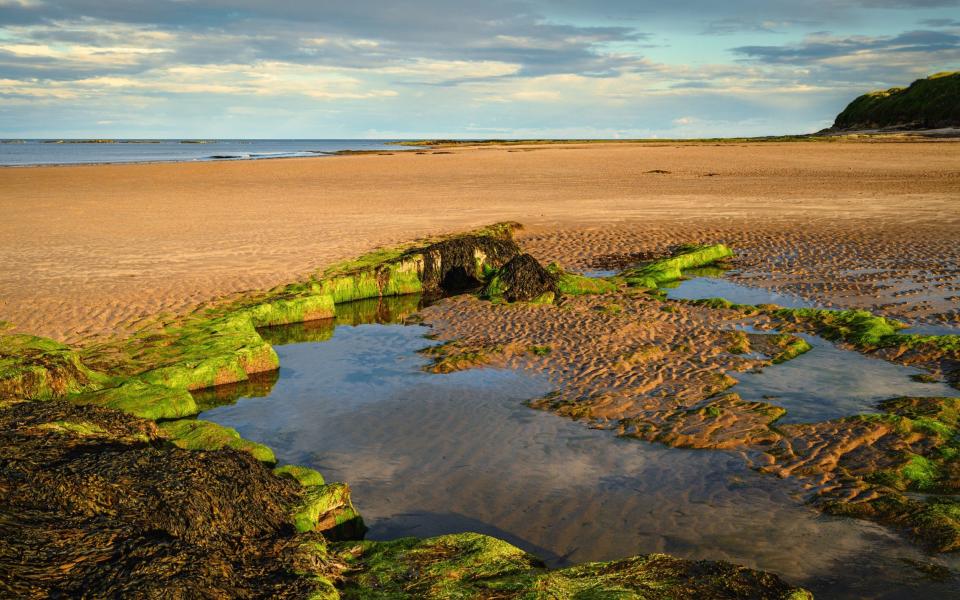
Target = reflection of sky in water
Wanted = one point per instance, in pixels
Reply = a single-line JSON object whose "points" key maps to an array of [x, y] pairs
{"points": [[429, 454], [711, 287], [828, 382], [708, 283]]}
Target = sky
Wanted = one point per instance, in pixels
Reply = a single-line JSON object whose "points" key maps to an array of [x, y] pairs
{"points": [[456, 69]]}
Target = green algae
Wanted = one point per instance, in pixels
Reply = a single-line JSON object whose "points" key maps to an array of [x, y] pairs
{"points": [[572, 284], [858, 327], [925, 451], [790, 346], [38, 368], [142, 399], [457, 356], [305, 476], [471, 565], [327, 508], [669, 269], [293, 310], [194, 434]]}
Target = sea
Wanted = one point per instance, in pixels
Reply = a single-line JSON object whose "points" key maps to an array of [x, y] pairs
{"points": [[21, 153]]}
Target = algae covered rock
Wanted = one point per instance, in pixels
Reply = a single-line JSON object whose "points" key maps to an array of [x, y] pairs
{"points": [[195, 434], [303, 475], [39, 369], [328, 509], [448, 266], [471, 565], [571, 284], [207, 353], [669, 269], [293, 310], [523, 279], [143, 400]]}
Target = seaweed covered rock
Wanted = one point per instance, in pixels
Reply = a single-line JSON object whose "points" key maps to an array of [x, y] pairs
{"points": [[39, 368], [471, 565], [449, 266], [96, 503], [195, 434], [523, 279], [328, 508], [142, 399], [665, 270]]}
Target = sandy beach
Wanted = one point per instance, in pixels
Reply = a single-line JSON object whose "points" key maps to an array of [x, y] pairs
{"points": [[87, 251]]}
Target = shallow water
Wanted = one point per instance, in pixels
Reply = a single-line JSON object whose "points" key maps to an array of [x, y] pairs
{"points": [[709, 283], [699, 287], [828, 382], [50, 152], [428, 454]]}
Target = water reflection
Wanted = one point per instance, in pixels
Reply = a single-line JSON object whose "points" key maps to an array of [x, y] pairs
{"points": [[429, 454], [829, 382]]}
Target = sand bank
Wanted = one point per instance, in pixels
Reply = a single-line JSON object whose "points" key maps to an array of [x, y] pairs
{"points": [[87, 251]]}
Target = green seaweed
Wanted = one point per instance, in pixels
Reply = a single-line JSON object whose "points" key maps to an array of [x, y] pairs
{"points": [[82, 429], [38, 368], [305, 476], [142, 399], [471, 565], [790, 346], [328, 509], [669, 269], [572, 284], [292, 310], [858, 327], [194, 434]]}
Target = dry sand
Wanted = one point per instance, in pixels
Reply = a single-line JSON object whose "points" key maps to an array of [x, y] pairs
{"points": [[88, 250]]}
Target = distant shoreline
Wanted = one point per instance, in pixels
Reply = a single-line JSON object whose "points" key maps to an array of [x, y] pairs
{"points": [[403, 146]]}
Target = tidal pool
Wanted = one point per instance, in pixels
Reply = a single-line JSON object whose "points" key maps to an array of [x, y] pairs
{"points": [[428, 454], [829, 382], [709, 282]]}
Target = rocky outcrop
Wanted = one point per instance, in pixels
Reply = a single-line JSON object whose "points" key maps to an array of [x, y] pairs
{"points": [[930, 103], [523, 279]]}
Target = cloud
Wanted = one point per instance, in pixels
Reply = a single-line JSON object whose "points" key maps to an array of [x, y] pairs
{"points": [[823, 47], [333, 68], [940, 22], [731, 26]]}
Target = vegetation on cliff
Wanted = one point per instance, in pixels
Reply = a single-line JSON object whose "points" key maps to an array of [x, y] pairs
{"points": [[929, 103]]}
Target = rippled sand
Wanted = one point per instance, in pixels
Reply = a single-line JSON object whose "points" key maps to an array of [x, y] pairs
{"points": [[88, 250]]}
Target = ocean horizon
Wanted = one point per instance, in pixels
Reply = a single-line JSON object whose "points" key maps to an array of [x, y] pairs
{"points": [[36, 152]]}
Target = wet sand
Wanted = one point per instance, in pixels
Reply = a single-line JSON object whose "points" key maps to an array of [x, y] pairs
{"points": [[88, 250]]}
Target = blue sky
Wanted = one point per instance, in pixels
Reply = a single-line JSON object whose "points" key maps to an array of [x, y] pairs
{"points": [[435, 68]]}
